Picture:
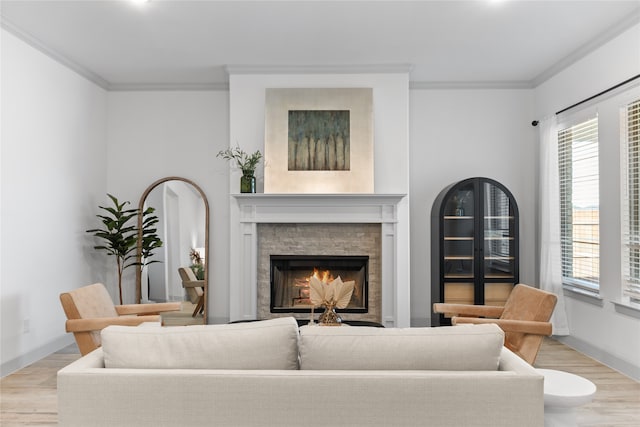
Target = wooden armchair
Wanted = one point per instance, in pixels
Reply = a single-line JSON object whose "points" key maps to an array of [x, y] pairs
{"points": [[194, 288], [524, 318], [90, 309]]}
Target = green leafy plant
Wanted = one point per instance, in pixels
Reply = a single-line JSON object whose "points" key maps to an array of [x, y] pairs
{"points": [[244, 161], [120, 236], [150, 240]]}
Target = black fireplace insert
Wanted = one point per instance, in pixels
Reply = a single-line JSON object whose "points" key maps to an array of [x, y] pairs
{"points": [[290, 275]]}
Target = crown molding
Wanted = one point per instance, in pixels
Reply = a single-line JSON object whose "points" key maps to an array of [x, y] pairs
{"points": [[132, 87], [470, 85], [320, 69], [587, 48], [40, 46]]}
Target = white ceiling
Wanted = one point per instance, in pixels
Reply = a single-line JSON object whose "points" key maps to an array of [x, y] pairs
{"points": [[119, 44]]}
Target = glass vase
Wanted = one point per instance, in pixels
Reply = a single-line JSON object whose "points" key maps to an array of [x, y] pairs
{"points": [[247, 184], [330, 317]]}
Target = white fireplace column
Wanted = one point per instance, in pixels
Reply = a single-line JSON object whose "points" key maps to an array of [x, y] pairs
{"points": [[248, 210]]}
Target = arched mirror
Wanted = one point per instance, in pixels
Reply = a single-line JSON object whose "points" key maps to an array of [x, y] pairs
{"points": [[181, 273]]}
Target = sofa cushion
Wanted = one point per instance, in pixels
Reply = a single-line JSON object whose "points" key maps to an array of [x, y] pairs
{"points": [[268, 344], [450, 348]]}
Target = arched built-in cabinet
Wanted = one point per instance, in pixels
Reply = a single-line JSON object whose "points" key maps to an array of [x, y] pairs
{"points": [[474, 229]]}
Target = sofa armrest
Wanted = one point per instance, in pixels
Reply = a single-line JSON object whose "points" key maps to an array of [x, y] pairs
{"points": [[508, 325], [153, 308], [468, 310], [91, 360], [511, 362], [99, 323]]}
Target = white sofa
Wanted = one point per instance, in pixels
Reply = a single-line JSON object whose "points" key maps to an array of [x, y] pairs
{"points": [[271, 373]]}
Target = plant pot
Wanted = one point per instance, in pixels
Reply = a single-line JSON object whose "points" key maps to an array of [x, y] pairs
{"points": [[247, 184]]}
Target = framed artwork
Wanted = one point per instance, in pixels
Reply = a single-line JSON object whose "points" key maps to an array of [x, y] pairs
{"points": [[319, 141]]}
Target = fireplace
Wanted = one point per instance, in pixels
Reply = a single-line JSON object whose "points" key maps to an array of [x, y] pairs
{"points": [[290, 275], [325, 247], [331, 224]]}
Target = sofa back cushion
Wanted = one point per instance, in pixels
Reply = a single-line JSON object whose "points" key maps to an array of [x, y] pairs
{"points": [[268, 344], [450, 348]]}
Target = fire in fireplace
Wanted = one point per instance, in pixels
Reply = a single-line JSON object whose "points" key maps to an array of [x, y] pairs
{"points": [[290, 275]]}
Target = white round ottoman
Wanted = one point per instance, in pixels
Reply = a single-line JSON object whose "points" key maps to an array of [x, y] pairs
{"points": [[563, 393]]}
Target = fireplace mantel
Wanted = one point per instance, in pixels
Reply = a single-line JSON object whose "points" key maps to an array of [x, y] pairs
{"points": [[318, 208], [249, 210]]}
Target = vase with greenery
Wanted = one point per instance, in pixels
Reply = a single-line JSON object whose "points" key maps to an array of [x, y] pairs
{"points": [[245, 162], [120, 235]]}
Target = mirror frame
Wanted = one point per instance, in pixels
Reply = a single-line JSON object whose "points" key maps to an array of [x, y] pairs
{"points": [[206, 240]]}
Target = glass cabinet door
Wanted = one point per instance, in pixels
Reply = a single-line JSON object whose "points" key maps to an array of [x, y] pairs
{"points": [[459, 232], [459, 245], [499, 245]]}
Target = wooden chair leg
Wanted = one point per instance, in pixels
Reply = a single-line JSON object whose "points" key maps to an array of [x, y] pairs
{"points": [[199, 306]]}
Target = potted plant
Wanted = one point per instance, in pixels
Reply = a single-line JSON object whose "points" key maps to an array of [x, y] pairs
{"points": [[245, 162], [197, 264], [121, 238]]}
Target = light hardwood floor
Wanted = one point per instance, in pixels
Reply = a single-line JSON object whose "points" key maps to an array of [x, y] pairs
{"points": [[28, 397]]}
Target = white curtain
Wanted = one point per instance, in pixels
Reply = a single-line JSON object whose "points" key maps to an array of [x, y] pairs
{"points": [[549, 214]]}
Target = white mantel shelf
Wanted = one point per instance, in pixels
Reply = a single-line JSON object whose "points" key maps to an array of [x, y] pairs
{"points": [[318, 208], [247, 210]]}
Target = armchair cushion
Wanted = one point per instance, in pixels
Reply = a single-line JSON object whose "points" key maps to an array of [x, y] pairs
{"points": [[268, 344]]}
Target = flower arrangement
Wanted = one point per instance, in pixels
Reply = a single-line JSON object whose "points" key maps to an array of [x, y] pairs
{"points": [[331, 295], [244, 161]]}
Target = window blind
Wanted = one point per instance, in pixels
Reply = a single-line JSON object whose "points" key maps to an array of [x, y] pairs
{"points": [[579, 204], [631, 200]]}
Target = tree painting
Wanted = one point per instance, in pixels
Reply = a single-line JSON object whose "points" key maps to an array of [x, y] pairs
{"points": [[319, 140]]}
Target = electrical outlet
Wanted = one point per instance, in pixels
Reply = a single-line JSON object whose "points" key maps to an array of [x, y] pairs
{"points": [[25, 326]]}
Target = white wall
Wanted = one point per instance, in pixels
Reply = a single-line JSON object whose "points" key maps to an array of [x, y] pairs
{"points": [[152, 135], [53, 176], [458, 134], [597, 328]]}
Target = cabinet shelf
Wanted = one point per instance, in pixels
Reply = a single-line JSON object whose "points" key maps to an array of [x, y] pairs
{"points": [[454, 217], [459, 238], [454, 258]]}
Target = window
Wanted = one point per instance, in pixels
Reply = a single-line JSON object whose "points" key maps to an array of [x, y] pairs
{"points": [[579, 205], [631, 200]]}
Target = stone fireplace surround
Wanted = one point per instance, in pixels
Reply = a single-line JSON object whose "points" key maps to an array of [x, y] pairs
{"points": [[319, 239], [249, 210]]}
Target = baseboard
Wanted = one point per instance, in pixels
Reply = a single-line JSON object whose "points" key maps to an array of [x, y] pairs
{"points": [[34, 355], [608, 359], [217, 320], [419, 322]]}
